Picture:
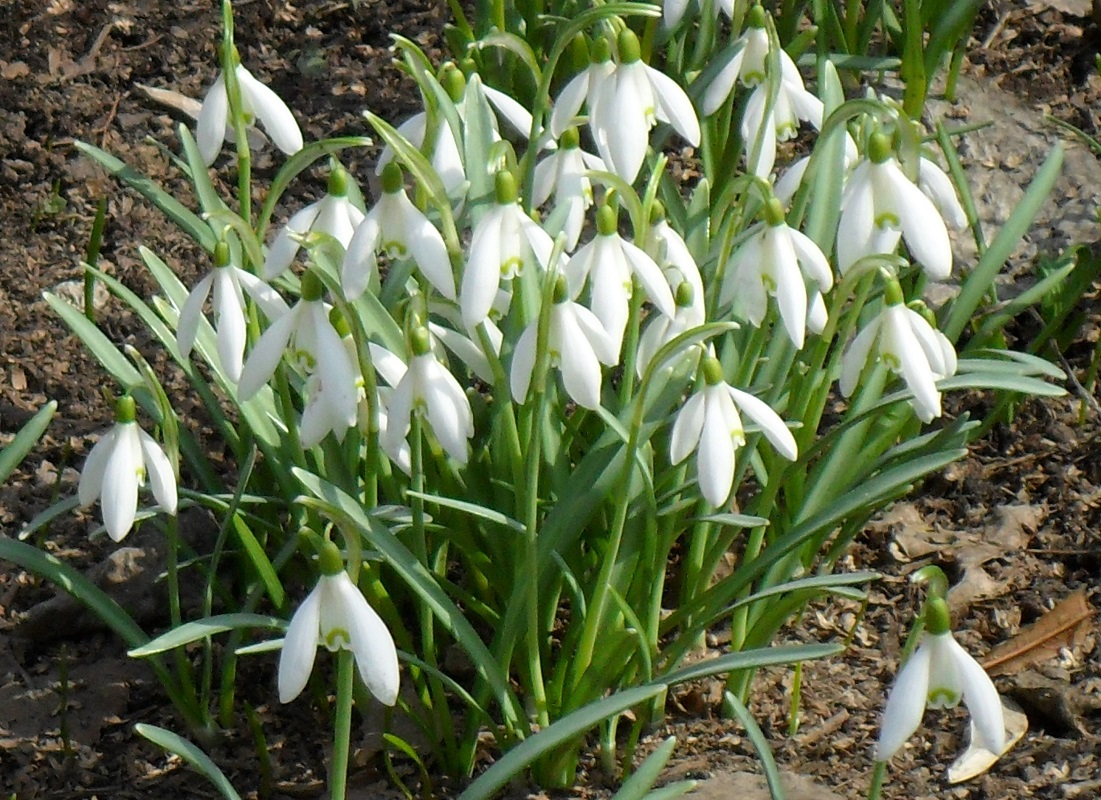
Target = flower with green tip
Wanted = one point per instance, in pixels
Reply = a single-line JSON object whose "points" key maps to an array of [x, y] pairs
{"points": [[909, 346], [880, 206], [428, 390], [673, 11], [258, 102], [564, 173], [628, 102], [768, 263], [710, 424], [230, 327], [336, 615], [315, 346], [577, 345], [334, 214], [504, 241], [118, 466], [610, 263], [940, 674], [746, 61], [763, 125], [399, 229]]}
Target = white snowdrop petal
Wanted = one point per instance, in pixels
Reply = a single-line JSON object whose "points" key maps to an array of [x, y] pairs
{"points": [[277, 119], [905, 705], [266, 354], [300, 647], [768, 420], [673, 105], [187, 327], [119, 498], [210, 128], [686, 429], [158, 469], [523, 362], [229, 319], [284, 248], [95, 465]]}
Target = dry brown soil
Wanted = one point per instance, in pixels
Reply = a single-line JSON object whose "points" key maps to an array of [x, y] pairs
{"points": [[1015, 524]]}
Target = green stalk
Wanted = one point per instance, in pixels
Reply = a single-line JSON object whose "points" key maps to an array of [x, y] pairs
{"points": [[91, 257], [342, 725], [875, 790], [530, 569]]}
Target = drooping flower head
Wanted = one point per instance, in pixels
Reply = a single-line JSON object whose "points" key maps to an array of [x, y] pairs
{"points": [[747, 61], [768, 263], [710, 424], [258, 103], [609, 264], [227, 280], [940, 674], [399, 229], [334, 214], [503, 243], [563, 174], [118, 466], [880, 205], [336, 615], [909, 346]]}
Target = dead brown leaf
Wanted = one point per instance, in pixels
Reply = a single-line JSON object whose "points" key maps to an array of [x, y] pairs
{"points": [[1067, 624]]}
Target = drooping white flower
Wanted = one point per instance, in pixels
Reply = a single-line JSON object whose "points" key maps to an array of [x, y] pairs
{"points": [[746, 60], [880, 205], [334, 214], [577, 345], [661, 329], [610, 264], [563, 173], [504, 241], [789, 181], [335, 614], [768, 263], [447, 158], [258, 102], [227, 281], [629, 102], [398, 228], [762, 126], [315, 347], [582, 88], [673, 10], [710, 424], [909, 346], [428, 390], [940, 674], [118, 466]]}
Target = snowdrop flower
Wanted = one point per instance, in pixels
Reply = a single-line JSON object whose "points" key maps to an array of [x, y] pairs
{"points": [[673, 10], [392, 369], [940, 673], [762, 126], [768, 263], [747, 61], [504, 241], [564, 173], [661, 329], [428, 390], [334, 214], [880, 205], [118, 466], [581, 88], [398, 228], [909, 346], [335, 614], [258, 102], [670, 252], [227, 281], [711, 424], [577, 345], [609, 262], [333, 385], [792, 178], [629, 102], [447, 158]]}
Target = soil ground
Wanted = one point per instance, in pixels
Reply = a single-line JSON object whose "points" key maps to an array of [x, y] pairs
{"points": [[1015, 524]]}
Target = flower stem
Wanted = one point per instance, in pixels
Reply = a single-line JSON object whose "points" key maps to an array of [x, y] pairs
{"points": [[342, 725], [876, 787]]}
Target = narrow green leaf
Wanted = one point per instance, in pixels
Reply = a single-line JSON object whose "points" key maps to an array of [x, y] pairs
{"points": [[201, 629], [516, 760], [639, 784], [187, 220], [760, 743], [751, 659], [174, 743], [473, 509], [24, 441], [978, 283], [96, 341]]}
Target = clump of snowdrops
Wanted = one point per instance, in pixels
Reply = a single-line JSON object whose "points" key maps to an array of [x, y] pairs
{"points": [[513, 434]]}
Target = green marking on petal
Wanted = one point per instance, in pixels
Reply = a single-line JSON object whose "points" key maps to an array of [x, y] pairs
{"points": [[943, 697], [338, 638]]}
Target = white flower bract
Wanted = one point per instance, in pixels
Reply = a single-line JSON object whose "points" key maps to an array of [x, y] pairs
{"points": [[335, 614]]}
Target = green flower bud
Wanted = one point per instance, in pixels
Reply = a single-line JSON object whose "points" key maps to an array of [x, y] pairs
{"points": [[879, 147], [504, 185], [937, 619], [125, 409], [607, 221], [712, 371], [628, 46], [392, 178], [419, 341], [329, 558], [312, 287]]}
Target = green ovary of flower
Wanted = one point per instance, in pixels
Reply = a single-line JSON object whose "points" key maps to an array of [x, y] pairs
{"points": [[337, 639]]}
